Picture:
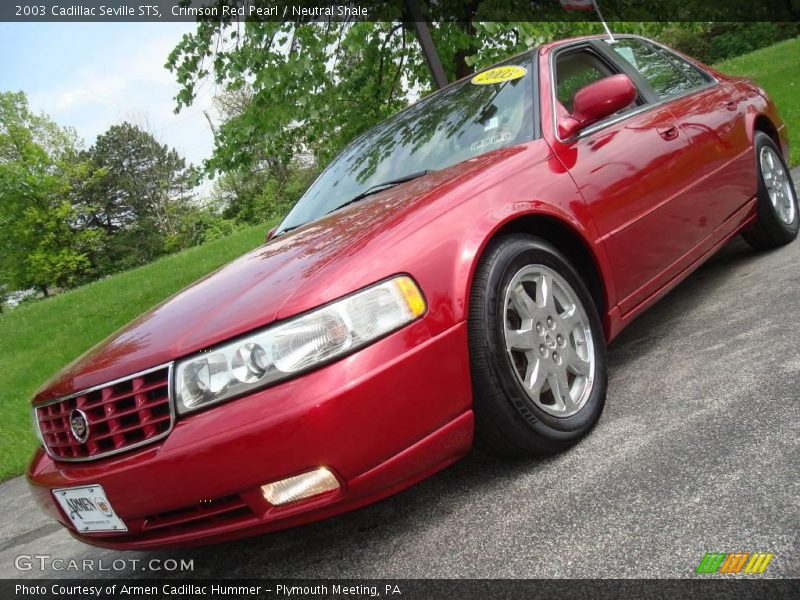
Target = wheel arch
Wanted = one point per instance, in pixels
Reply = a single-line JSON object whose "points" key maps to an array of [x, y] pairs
{"points": [[768, 122], [566, 238], [763, 123]]}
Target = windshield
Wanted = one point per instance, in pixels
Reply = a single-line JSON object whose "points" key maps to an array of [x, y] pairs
{"points": [[490, 111]]}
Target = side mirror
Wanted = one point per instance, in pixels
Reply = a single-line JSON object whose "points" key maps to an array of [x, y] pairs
{"points": [[271, 233], [595, 102]]}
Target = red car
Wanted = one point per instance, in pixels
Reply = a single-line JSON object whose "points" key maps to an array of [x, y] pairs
{"points": [[455, 273]]}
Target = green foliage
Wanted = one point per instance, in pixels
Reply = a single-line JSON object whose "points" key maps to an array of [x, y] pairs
{"points": [[41, 337], [41, 243], [713, 42], [199, 225], [69, 216], [141, 200], [315, 85], [252, 195]]}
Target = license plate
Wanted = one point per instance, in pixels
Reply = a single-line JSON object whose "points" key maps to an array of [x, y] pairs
{"points": [[89, 509]]}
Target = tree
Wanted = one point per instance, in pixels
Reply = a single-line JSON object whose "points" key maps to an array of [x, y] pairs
{"points": [[141, 198], [307, 79], [258, 194], [41, 243], [265, 187]]}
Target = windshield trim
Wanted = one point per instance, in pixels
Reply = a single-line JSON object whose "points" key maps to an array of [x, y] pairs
{"points": [[530, 55]]}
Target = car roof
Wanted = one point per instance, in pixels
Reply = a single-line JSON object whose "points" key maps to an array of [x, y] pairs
{"points": [[542, 48], [582, 38]]}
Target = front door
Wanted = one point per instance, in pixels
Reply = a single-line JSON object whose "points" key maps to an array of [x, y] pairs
{"points": [[633, 171]]}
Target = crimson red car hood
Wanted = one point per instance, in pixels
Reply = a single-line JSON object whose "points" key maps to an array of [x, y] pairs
{"points": [[256, 289]]}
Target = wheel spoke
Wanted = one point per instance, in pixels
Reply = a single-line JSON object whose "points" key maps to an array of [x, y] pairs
{"points": [[519, 339], [535, 376], [773, 196], [575, 363], [523, 303], [782, 208], [571, 318], [559, 386], [544, 291], [787, 208]]}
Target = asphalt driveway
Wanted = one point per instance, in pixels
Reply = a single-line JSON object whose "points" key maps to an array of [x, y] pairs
{"points": [[697, 451]]}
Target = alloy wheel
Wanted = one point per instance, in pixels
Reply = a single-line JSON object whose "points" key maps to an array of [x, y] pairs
{"points": [[549, 341], [778, 185]]}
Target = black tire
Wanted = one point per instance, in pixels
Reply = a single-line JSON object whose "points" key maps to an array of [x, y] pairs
{"points": [[769, 231], [507, 422]]}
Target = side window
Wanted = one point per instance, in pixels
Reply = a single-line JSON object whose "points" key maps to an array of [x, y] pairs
{"points": [[668, 74], [575, 70], [578, 68]]}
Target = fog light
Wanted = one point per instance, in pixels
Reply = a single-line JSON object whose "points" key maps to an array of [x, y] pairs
{"points": [[300, 486]]}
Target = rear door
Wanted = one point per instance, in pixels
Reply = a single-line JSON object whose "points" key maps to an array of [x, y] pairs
{"points": [[708, 115], [632, 170]]}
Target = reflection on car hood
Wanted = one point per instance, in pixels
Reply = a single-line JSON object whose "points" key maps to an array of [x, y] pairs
{"points": [[275, 281]]}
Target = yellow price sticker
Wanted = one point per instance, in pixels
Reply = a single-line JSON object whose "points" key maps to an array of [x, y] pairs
{"points": [[499, 75]]}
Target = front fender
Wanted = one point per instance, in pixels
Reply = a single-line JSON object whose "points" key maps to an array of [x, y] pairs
{"points": [[439, 240]]}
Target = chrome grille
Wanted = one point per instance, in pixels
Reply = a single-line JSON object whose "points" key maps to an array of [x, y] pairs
{"points": [[119, 416]]}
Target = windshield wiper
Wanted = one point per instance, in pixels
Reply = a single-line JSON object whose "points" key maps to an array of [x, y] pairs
{"points": [[282, 231], [382, 186]]}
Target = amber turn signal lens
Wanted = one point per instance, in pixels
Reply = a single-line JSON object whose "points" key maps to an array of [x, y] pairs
{"points": [[411, 294], [299, 487]]}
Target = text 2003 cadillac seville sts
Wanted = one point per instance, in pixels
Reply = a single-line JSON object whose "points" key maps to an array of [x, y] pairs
{"points": [[459, 268]]}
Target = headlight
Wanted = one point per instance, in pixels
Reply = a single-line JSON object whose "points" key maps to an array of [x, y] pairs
{"points": [[35, 426], [283, 350]]}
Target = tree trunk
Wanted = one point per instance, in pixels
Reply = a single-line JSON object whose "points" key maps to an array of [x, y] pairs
{"points": [[460, 58]]}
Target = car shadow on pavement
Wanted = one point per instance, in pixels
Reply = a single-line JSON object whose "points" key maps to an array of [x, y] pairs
{"points": [[351, 542]]}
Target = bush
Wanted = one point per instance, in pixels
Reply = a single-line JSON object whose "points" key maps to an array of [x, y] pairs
{"points": [[256, 196], [714, 42], [220, 228]]}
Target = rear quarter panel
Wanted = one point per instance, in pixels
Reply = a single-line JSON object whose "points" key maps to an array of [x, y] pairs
{"points": [[756, 102]]}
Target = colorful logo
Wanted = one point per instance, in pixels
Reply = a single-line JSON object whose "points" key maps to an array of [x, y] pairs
{"points": [[752, 563], [104, 508]]}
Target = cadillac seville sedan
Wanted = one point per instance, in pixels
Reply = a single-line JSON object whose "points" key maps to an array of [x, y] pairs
{"points": [[453, 276]]}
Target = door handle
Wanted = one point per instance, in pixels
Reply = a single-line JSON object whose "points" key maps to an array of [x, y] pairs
{"points": [[730, 105], [668, 132]]}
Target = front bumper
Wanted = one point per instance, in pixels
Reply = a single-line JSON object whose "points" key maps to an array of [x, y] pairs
{"points": [[380, 419]]}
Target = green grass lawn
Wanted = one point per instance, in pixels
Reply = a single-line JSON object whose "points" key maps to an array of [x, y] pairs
{"points": [[39, 338], [777, 70]]}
